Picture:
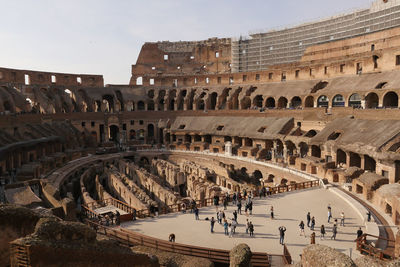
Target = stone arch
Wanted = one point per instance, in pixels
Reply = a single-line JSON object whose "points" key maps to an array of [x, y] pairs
{"points": [[270, 102], [161, 100], [315, 151], [114, 133], [309, 102], [171, 97], [150, 105], [311, 133], [120, 99], [338, 101], [355, 160], [371, 100], [245, 103], [391, 100], [109, 99], [140, 105], [258, 101], [180, 101], [200, 104], [212, 101], [341, 157], [295, 102], [355, 101], [303, 149], [323, 101], [150, 130], [369, 164], [257, 175], [132, 135], [282, 102]]}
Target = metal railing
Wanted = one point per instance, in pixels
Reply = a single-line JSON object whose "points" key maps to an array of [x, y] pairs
{"points": [[215, 255]]}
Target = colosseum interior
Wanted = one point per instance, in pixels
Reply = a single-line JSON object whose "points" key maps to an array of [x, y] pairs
{"points": [[100, 175]]}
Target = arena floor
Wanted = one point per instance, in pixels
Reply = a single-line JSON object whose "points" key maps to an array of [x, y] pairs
{"points": [[289, 209]]}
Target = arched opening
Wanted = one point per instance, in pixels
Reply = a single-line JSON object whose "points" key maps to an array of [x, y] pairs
{"points": [[109, 101], [282, 102], [114, 133], [295, 102], [341, 157], [303, 149], [258, 101], [213, 101], [132, 135], [150, 105], [323, 101], [315, 151], [371, 100], [150, 93], [309, 102], [150, 130], [188, 138], [7, 106], [200, 104], [227, 139], [355, 101], [355, 160], [391, 100], [140, 105], [338, 101], [270, 178], [270, 103], [120, 99], [197, 138], [334, 136], [279, 149], [311, 133], [257, 175], [291, 148], [139, 81], [369, 164], [207, 139], [141, 134], [245, 103], [172, 104]]}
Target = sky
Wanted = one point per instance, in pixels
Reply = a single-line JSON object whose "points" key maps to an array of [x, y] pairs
{"points": [[105, 36]]}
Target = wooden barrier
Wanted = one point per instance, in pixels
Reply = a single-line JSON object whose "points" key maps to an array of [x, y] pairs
{"points": [[286, 255], [366, 248], [131, 238]]}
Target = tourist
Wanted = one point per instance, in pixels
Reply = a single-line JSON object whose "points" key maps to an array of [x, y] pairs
{"points": [[192, 206], [312, 223], [301, 225], [196, 213], [323, 232], [226, 227], [234, 224], [230, 229], [312, 238], [369, 216], [183, 208], [219, 217], [234, 199], [359, 233], [171, 238], [334, 232], [251, 207], [308, 219], [272, 212], [247, 226], [244, 194], [268, 192], [225, 203], [239, 207], [246, 206], [216, 202], [117, 218], [282, 231], [342, 219], [212, 224], [235, 215], [329, 215], [156, 211], [134, 215], [251, 229]]}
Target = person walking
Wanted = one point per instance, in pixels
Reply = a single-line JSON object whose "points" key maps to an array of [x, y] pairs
{"points": [[369, 216], [247, 226], [329, 215], [323, 232], [308, 219], [231, 231], [235, 215], [251, 229], [301, 225], [359, 233], [234, 224], [234, 199], [334, 232], [312, 223], [282, 231], [342, 219], [272, 212], [226, 227], [251, 207], [216, 202], [212, 224], [312, 241], [239, 207], [196, 213], [225, 203]]}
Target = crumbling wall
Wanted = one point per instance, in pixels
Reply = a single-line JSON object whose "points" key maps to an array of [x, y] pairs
{"points": [[323, 256]]}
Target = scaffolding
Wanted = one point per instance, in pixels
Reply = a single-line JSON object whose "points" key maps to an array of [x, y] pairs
{"points": [[261, 50]]}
